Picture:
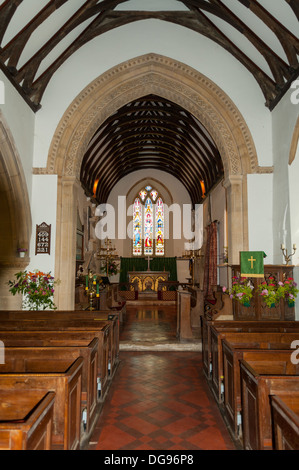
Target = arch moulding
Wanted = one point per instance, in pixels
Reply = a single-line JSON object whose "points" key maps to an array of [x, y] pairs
{"points": [[15, 217], [177, 82]]}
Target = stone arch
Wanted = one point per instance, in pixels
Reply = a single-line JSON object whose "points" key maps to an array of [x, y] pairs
{"points": [[15, 216], [177, 82]]}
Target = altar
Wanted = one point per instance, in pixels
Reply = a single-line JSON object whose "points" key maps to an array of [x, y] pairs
{"points": [[147, 281]]}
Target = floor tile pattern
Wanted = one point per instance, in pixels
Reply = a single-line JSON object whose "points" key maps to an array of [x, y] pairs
{"points": [[146, 324], [159, 400]]}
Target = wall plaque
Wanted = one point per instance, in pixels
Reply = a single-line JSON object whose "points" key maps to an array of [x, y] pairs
{"points": [[43, 239]]}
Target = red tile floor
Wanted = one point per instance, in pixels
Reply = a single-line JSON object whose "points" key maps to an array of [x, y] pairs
{"points": [[158, 400]]}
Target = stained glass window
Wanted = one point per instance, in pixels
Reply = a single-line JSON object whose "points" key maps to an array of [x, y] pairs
{"points": [[137, 228], [148, 227], [148, 223], [154, 195], [159, 225], [143, 194]]}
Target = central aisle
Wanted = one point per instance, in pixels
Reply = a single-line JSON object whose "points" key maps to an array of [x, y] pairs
{"points": [[159, 400]]}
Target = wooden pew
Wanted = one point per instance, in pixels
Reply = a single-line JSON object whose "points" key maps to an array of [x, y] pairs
{"points": [[285, 421], [35, 358], [26, 420], [259, 380], [233, 352], [99, 329], [104, 316], [262, 338], [235, 325], [65, 379]]}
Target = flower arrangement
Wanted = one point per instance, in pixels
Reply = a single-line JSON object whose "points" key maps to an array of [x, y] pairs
{"points": [[271, 291], [22, 250], [37, 288], [111, 269], [241, 290], [290, 289]]}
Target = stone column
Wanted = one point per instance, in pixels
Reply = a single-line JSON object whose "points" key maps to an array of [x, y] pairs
{"points": [[7, 273], [65, 256], [237, 217]]}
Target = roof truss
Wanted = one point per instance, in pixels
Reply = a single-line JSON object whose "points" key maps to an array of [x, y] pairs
{"points": [[105, 18]]}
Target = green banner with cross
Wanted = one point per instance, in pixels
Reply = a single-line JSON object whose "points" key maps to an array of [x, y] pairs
{"points": [[252, 263]]}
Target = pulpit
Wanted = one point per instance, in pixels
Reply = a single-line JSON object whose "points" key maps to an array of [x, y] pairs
{"points": [[258, 310], [147, 281]]}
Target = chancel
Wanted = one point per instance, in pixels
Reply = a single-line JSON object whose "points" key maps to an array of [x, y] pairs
{"points": [[148, 225]]}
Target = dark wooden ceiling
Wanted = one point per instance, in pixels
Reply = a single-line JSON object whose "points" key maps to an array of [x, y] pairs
{"points": [[151, 133], [104, 17]]}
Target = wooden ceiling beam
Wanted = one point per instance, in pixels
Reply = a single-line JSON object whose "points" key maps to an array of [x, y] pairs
{"points": [[13, 50], [7, 10], [104, 18], [295, 6]]}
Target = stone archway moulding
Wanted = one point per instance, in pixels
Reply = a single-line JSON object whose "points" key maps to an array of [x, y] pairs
{"points": [[177, 82], [16, 222]]}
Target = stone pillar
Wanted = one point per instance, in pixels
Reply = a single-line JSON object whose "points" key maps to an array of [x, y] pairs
{"points": [[7, 273], [237, 217], [65, 256]]}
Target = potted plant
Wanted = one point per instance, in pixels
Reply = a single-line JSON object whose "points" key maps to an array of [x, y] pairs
{"points": [[111, 268], [37, 288], [241, 290], [291, 291], [271, 291], [22, 252]]}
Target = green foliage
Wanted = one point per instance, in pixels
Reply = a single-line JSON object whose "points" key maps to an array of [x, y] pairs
{"points": [[36, 287]]}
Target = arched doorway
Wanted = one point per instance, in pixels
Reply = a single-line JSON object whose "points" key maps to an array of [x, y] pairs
{"points": [[149, 74]]}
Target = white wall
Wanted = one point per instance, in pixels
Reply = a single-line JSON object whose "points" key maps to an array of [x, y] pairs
{"points": [[152, 36], [260, 214], [284, 214], [44, 202]]}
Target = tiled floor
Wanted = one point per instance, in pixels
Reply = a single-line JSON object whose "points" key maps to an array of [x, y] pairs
{"points": [[159, 400]]}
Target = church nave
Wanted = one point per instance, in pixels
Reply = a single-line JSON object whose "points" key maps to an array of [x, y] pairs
{"points": [[158, 400]]}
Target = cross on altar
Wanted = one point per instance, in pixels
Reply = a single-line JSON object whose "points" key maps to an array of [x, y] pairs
{"points": [[252, 260], [148, 263]]}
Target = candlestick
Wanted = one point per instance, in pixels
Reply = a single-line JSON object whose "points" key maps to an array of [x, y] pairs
{"points": [[285, 253]]}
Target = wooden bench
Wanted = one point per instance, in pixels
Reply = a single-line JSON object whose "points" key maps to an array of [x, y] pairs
{"points": [[26, 420], [262, 339], [259, 380], [65, 379], [285, 421], [33, 359], [236, 325], [99, 329], [232, 354], [108, 316]]}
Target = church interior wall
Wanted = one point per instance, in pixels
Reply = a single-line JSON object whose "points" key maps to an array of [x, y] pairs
{"points": [[172, 192], [20, 120], [271, 132], [260, 214], [43, 209], [285, 116], [138, 39]]}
